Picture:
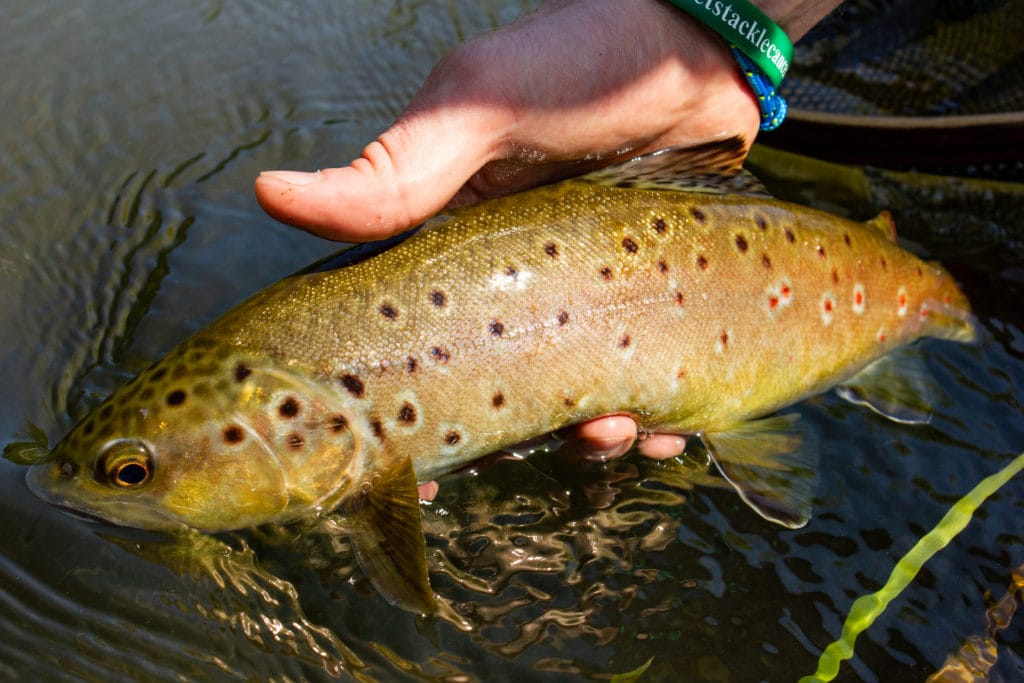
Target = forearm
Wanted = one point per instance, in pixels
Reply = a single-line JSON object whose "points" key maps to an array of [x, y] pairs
{"points": [[796, 17]]}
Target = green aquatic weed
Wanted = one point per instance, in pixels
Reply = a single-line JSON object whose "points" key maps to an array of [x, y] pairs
{"points": [[867, 608]]}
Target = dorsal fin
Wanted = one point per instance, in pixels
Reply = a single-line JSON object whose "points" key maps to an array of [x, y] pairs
{"points": [[711, 167], [883, 223]]}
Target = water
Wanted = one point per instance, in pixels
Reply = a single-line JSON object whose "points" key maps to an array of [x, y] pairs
{"points": [[131, 136]]}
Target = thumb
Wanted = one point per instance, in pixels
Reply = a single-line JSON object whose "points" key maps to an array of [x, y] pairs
{"points": [[407, 174]]}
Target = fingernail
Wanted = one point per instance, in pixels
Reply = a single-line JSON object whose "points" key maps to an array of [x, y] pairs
{"points": [[292, 177], [597, 449]]}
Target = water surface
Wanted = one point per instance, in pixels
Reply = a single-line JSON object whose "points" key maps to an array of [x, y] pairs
{"points": [[131, 136]]}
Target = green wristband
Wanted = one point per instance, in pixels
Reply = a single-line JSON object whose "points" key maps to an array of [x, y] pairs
{"points": [[749, 29]]}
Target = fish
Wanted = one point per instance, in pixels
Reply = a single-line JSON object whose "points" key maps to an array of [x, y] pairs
{"points": [[670, 287]]}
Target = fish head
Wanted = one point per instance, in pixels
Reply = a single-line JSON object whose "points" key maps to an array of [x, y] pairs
{"points": [[206, 438]]}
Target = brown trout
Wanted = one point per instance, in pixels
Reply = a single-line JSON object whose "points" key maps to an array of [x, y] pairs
{"points": [[668, 287]]}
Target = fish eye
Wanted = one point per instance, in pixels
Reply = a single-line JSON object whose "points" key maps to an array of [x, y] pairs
{"points": [[125, 464]]}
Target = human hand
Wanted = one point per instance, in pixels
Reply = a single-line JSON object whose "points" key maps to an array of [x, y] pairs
{"points": [[576, 85]]}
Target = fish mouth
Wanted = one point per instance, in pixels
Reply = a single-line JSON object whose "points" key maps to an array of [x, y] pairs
{"points": [[52, 483]]}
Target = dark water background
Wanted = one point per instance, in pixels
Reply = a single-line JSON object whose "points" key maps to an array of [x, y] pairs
{"points": [[131, 135]]}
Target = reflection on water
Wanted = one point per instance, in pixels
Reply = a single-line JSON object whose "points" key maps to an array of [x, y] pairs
{"points": [[126, 206]]}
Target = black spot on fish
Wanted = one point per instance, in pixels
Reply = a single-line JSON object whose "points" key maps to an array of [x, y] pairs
{"points": [[179, 371], [512, 272], [196, 356], [146, 394], [496, 328], [233, 434], [289, 407], [846, 238], [790, 236], [659, 225], [606, 272], [741, 243], [106, 412], [89, 427], [498, 400], [761, 222], [662, 266], [242, 371], [295, 441], [441, 355], [407, 413], [698, 215], [568, 402], [438, 298], [563, 317], [724, 339], [452, 437], [766, 261], [551, 249], [882, 262], [835, 276], [354, 385], [821, 251], [625, 342], [158, 375], [702, 262], [680, 299], [411, 365], [919, 273], [378, 427], [629, 245], [176, 397], [337, 423], [388, 311]]}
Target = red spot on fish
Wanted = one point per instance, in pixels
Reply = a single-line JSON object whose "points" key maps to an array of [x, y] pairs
{"points": [[821, 251], [924, 311], [773, 302], [858, 298], [881, 337], [827, 305], [785, 291], [724, 338], [702, 262]]}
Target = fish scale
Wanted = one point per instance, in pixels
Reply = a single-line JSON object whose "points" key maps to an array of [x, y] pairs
{"points": [[668, 288]]}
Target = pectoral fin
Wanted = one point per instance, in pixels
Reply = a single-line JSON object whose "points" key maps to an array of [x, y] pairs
{"points": [[772, 464], [896, 386], [387, 537]]}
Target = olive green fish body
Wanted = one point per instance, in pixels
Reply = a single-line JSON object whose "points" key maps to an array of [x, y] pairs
{"points": [[694, 312]]}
